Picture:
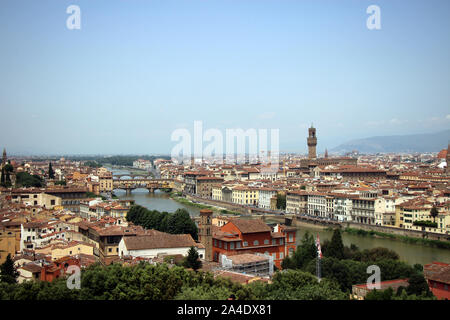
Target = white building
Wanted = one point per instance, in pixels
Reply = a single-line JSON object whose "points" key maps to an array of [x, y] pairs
{"points": [[384, 207], [265, 194], [317, 204], [158, 243], [342, 208]]}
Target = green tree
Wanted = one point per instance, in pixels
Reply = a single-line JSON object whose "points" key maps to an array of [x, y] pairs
{"points": [[192, 260], [8, 167], [380, 294], [281, 201], [335, 249], [180, 222], [376, 254], [204, 293], [24, 179], [51, 173], [434, 213], [305, 252], [8, 272], [417, 285]]}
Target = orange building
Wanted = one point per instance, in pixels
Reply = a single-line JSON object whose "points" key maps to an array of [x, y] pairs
{"points": [[253, 236], [438, 278], [58, 268]]}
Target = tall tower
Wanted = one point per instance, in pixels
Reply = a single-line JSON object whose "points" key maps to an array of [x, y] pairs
{"points": [[312, 142], [4, 157], [205, 234]]}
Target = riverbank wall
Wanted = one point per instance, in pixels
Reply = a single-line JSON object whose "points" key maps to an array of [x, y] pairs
{"points": [[398, 231], [222, 204]]}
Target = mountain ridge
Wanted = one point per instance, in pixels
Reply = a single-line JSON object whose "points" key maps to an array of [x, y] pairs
{"points": [[426, 142]]}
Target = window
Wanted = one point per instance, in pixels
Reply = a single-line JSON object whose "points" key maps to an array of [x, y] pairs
{"points": [[245, 244], [224, 245], [220, 244], [256, 243], [266, 241], [109, 250], [281, 255], [281, 241], [291, 237], [238, 245], [274, 241], [231, 245]]}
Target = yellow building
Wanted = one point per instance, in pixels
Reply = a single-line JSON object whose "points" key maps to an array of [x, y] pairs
{"points": [[217, 193], [105, 182], [7, 244], [71, 249], [409, 212], [245, 195], [35, 197]]}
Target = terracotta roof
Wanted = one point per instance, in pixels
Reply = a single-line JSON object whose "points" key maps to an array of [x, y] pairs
{"points": [[437, 271], [159, 240], [250, 226], [32, 267]]}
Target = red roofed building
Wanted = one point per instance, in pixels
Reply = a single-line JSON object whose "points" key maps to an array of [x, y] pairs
{"points": [[359, 291], [58, 268], [442, 154], [438, 278], [253, 236]]}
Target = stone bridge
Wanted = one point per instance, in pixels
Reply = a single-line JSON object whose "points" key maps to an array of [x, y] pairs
{"points": [[139, 176], [150, 184]]}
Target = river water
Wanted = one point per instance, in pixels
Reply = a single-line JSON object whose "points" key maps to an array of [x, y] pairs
{"points": [[411, 253]]}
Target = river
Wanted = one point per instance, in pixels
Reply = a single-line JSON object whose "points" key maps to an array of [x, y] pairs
{"points": [[411, 253]]}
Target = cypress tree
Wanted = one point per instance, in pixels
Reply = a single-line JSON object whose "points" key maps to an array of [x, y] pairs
{"points": [[192, 260], [8, 272], [336, 246], [51, 173]]}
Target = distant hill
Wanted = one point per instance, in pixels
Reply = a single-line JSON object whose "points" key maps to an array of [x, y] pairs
{"points": [[430, 142]]}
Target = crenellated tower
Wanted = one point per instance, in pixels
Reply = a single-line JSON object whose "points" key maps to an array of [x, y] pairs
{"points": [[312, 142]]}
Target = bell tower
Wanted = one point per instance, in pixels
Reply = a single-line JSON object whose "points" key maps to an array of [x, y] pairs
{"points": [[205, 232], [312, 142], [4, 158]]}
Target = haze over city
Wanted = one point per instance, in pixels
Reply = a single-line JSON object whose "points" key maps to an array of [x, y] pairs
{"points": [[138, 70]]}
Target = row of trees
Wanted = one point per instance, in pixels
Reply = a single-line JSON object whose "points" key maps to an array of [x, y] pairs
{"points": [[24, 179], [162, 282], [178, 222]]}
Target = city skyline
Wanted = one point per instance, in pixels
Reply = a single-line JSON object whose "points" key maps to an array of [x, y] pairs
{"points": [[136, 72]]}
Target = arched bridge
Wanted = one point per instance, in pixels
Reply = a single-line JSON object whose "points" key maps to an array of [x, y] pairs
{"points": [[132, 176], [150, 184]]}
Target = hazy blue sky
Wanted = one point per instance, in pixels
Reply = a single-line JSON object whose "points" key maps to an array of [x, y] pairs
{"points": [[137, 70]]}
